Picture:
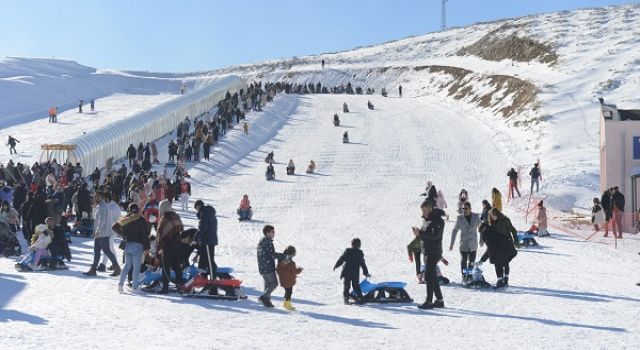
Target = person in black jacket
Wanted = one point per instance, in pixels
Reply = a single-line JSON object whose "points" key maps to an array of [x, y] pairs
{"points": [[37, 211], [617, 207], [431, 235], [500, 251], [605, 201], [353, 260], [207, 237], [267, 256], [430, 191], [84, 201], [131, 154]]}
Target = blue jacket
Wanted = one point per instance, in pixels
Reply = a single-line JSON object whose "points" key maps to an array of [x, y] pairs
{"points": [[207, 226]]}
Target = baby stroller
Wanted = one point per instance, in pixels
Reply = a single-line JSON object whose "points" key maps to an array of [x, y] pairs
{"points": [[384, 292], [9, 244], [473, 278]]}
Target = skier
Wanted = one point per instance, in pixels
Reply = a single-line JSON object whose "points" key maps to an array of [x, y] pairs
{"points": [[467, 223], [345, 137], [287, 273], [291, 167], [513, 183], [207, 237], [400, 90], [185, 193], [431, 235], [353, 260], [536, 176], [267, 255], [93, 105], [80, 106], [12, 145], [597, 215], [541, 220]]}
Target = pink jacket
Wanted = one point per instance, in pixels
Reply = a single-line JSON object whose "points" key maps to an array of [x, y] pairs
{"points": [[541, 218], [245, 204]]}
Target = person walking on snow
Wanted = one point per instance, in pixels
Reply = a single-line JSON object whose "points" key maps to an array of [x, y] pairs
{"points": [[135, 232], [353, 260], [287, 272], [12, 145], [267, 256], [80, 106], [93, 105], [102, 232], [185, 193], [467, 223], [207, 238], [114, 216], [430, 191], [431, 235], [441, 203], [541, 220], [536, 176], [513, 183]]}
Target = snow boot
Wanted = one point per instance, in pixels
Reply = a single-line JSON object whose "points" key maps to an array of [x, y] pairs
{"points": [[288, 306], [426, 306], [500, 284], [101, 268], [111, 268], [346, 301], [506, 281], [91, 272], [120, 289], [265, 301], [116, 271], [438, 304]]}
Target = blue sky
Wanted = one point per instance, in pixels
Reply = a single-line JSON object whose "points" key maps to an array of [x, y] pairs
{"points": [[191, 35]]}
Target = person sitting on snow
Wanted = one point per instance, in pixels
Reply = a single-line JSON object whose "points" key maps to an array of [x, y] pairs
{"points": [[345, 137], [39, 244], [370, 105], [336, 120], [291, 167], [311, 168], [271, 172], [244, 211], [345, 108]]}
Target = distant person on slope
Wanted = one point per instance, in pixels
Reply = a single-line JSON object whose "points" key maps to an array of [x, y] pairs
{"points": [[541, 220], [430, 191], [93, 105], [345, 137], [513, 182], [80, 106], [12, 145], [536, 176], [131, 154], [323, 64], [441, 203], [400, 90]]}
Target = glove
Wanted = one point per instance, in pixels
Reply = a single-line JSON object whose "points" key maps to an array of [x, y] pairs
{"points": [[411, 258]]}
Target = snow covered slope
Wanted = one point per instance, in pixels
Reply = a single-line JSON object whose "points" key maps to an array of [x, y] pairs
{"points": [[562, 295], [540, 75]]}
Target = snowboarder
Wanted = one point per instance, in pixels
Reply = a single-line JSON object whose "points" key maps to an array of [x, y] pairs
{"points": [[467, 223], [291, 167], [431, 235], [345, 137], [80, 106], [513, 183], [267, 256], [93, 105], [12, 145], [536, 176], [287, 273], [353, 260]]}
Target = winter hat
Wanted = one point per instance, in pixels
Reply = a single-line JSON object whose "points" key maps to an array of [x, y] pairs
{"points": [[133, 208]]}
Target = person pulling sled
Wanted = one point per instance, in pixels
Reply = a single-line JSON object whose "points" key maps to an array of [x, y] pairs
{"points": [[351, 261]]}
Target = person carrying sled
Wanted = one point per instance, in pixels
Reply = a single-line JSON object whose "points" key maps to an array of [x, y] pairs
{"points": [[287, 272], [267, 256], [244, 210], [353, 260], [345, 137], [12, 145], [291, 167], [513, 183], [536, 176], [431, 235], [207, 238], [311, 168], [467, 224]]}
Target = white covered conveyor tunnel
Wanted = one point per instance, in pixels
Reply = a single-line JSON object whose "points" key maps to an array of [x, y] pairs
{"points": [[93, 149]]}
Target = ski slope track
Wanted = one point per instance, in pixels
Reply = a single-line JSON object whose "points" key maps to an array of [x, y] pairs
{"points": [[569, 293]]}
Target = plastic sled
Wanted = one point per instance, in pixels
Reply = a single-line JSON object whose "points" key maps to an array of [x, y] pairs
{"points": [[384, 292], [46, 263], [527, 239], [473, 278]]}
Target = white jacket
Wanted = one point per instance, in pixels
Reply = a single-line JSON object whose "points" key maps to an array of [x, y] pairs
{"points": [[114, 214], [42, 242]]}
